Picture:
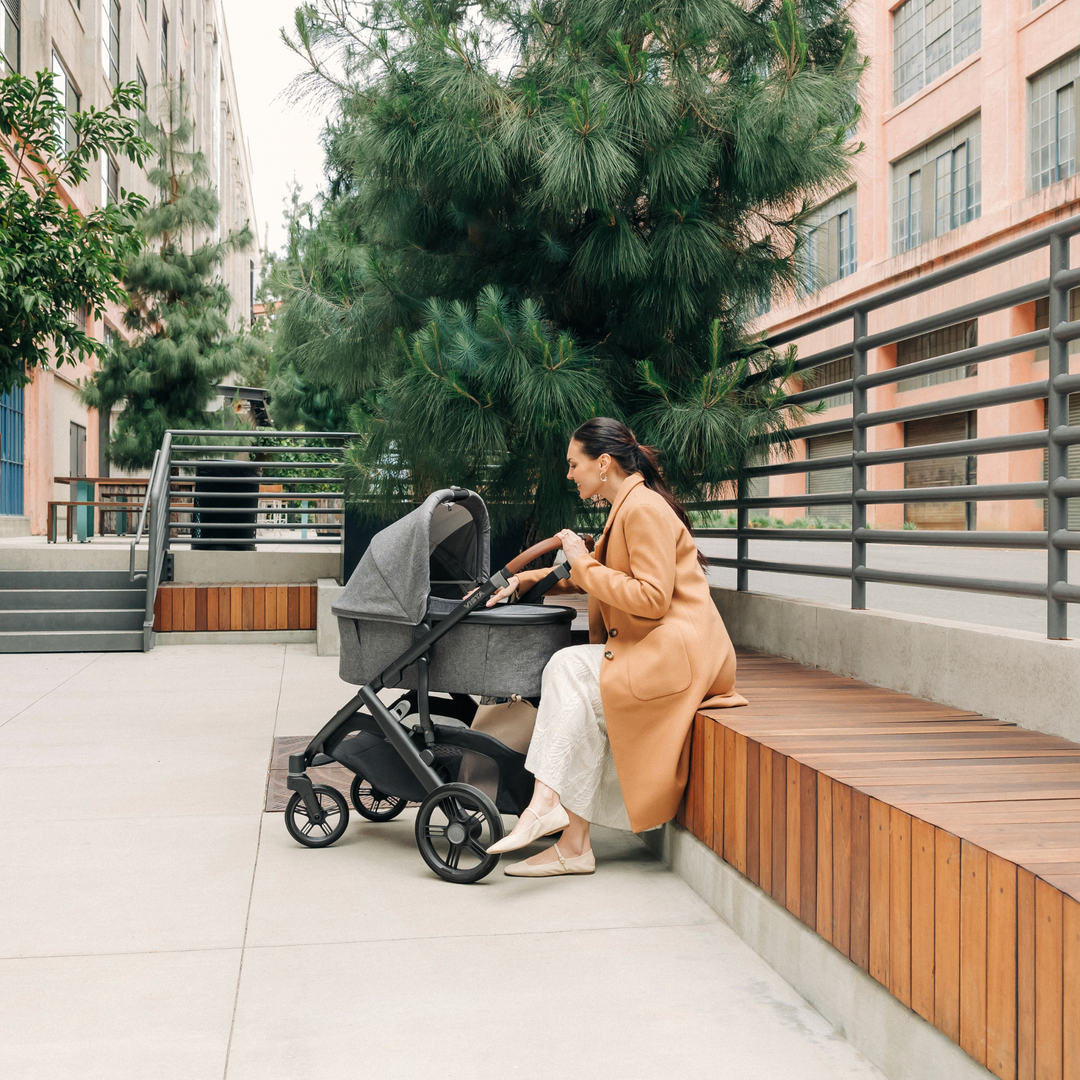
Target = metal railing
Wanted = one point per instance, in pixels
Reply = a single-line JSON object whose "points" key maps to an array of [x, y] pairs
{"points": [[270, 483], [1057, 540]]}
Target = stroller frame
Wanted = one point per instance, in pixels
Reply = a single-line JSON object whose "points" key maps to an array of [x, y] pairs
{"points": [[473, 822]]}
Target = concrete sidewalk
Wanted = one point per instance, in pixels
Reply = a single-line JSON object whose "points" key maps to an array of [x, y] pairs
{"points": [[155, 923]]}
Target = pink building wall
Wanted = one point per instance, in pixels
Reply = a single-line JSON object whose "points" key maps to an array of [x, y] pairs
{"points": [[1016, 43]]}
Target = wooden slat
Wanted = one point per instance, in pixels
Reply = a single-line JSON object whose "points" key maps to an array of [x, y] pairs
{"points": [[741, 748], [200, 608], [899, 905], [1048, 982], [1000, 967], [779, 828], [305, 608], [730, 820], [189, 608], [1070, 1022], [718, 790], [166, 598], [708, 766], [860, 879], [1025, 975], [247, 610], [947, 934], [293, 602], [259, 616], [753, 805], [282, 606], [808, 844], [824, 905], [923, 870], [313, 590], [236, 607], [212, 608], [765, 804], [880, 863], [973, 950], [793, 870], [842, 868]]}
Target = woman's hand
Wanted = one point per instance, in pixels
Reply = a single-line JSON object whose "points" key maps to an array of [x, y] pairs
{"points": [[511, 588], [573, 546]]}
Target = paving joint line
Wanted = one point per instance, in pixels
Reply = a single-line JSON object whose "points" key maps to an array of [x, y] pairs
{"points": [[37, 701]]}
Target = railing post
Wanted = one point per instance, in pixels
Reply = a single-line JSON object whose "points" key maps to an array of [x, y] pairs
{"points": [[742, 543], [1057, 564], [858, 446]]}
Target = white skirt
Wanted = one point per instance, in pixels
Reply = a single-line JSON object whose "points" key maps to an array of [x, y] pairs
{"points": [[570, 751]]}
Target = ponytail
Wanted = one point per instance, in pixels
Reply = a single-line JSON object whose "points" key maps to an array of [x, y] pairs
{"points": [[602, 435]]}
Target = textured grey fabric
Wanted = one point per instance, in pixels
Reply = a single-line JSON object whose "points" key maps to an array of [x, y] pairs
{"points": [[442, 546], [473, 658]]}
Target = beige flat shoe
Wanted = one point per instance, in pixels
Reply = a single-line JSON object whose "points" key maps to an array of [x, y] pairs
{"points": [[554, 820], [585, 863]]}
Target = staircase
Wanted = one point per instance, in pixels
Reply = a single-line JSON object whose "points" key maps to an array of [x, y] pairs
{"points": [[70, 611]]}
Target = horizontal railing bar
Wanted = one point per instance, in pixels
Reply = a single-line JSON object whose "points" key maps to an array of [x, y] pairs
{"points": [[825, 535], [1002, 395], [216, 433], [260, 479], [1066, 279], [993, 350], [196, 542], [202, 448], [804, 465], [263, 496], [212, 513], [234, 525], [1067, 331], [992, 444], [1065, 488], [956, 493], [953, 538], [819, 392], [782, 567], [1006, 252], [825, 356], [810, 431], [948, 581], [1064, 591], [1067, 384], [225, 473], [1066, 435], [1064, 538], [839, 498], [1022, 294]]}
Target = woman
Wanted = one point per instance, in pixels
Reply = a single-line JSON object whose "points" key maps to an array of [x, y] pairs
{"points": [[611, 743]]}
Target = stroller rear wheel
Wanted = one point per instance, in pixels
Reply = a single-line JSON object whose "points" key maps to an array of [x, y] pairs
{"points": [[319, 830], [454, 826], [369, 802]]}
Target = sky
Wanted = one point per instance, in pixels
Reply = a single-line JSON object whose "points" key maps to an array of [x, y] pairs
{"points": [[284, 138]]}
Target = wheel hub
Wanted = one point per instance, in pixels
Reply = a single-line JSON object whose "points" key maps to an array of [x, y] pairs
{"points": [[456, 833]]}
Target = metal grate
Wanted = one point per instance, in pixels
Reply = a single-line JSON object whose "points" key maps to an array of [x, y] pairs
{"points": [[12, 439]]}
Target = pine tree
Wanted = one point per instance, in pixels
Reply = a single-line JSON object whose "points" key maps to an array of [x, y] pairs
{"points": [[177, 310], [542, 212]]}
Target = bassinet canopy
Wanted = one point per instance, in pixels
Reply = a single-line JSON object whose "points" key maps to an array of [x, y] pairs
{"points": [[442, 548]]}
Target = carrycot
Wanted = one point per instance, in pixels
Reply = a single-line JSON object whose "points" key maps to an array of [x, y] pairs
{"points": [[412, 575]]}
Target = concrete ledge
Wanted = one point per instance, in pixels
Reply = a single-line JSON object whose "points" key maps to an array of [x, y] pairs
{"points": [[210, 567], [898, 1041], [236, 637], [1009, 674], [329, 643], [14, 525]]}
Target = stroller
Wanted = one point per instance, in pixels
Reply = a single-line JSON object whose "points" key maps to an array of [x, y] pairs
{"points": [[406, 622]]}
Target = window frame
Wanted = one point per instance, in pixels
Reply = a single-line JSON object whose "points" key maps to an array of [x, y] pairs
{"points": [[917, 59], [110, 41], [69, 89], [1040, 175], [12, 10]]}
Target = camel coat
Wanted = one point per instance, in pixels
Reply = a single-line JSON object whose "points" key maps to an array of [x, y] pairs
{"points": [[667, 648]]}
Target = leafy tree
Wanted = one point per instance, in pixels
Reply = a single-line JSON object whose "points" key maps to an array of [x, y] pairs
{"points": [[538, 212], [177, 307], [54, 260]]}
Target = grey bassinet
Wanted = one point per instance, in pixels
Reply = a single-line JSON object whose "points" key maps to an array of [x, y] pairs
{"points": [[413, 574]]}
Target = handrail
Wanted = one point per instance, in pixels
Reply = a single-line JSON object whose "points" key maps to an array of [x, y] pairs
{"points": [[158, 512], [132, 576], [1056, 489]]}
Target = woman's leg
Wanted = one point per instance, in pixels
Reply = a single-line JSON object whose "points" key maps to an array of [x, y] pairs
{"points": [[575, 837]]}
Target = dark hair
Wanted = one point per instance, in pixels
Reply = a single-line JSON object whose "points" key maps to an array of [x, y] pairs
{"points": [[602, 435]]}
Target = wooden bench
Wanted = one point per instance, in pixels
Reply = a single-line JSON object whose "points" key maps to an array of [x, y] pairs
{"points": [[86, 533], [937, 849], [254, 606]]}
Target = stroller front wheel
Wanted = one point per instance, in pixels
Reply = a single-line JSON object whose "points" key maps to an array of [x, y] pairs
{"points": [[320, 830], [371, 803], [455, 825]]}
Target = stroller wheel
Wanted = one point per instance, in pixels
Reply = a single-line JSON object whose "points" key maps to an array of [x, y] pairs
{"points": [[305, 829], [454, 826], [369, 802]]}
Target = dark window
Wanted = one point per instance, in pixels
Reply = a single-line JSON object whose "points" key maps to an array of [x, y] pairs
{"points": [[940, 472], [832, 248], [110, 40], [140, 77], [69, 97], [949, 339], [164, 47], [9, 41]]}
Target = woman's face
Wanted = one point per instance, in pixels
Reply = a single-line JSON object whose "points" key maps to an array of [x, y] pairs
{"points": [[585, 471]]}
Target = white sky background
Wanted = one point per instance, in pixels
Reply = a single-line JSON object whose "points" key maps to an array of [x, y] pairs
{"points": [[284, 138]]}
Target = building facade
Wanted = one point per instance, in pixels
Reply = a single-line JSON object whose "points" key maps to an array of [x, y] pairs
{"points": [[969, 119], [91, 46]]}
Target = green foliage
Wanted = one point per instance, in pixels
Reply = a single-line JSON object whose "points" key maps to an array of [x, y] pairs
{"points": [[53, 259], [177, 307], [542, 212]]}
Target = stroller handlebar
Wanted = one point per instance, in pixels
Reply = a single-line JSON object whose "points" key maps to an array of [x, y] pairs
{"points": [[552, 543]]}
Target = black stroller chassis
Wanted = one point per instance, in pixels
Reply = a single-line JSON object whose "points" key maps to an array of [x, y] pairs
{"points": [[412, 618]]}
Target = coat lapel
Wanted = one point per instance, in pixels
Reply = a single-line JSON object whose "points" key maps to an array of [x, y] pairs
{"points": [[629, 484]]}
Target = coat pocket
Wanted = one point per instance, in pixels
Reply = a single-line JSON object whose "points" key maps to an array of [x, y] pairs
{"points": [[658, 664]]}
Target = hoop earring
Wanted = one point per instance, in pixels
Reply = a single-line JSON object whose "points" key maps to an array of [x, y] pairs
{"points": [[603, 479]]}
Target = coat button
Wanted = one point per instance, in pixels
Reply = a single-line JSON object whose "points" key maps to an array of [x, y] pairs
{"points": [[609, 655], [613, 633]]}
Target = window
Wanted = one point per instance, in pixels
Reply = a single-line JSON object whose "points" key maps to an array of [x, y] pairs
{"points": [[929, 37], [164, 47], [938, 343], [1037, 3], [9, 42], [941, 472], [110, 41], [1042, 321], [832, 248], [1052, 94], [142, 8], [938, 187], [835, 371], [830, 481], [69, 97], [110, 179], [140, 77]]}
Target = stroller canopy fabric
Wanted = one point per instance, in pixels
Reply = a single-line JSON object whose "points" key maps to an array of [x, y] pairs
{"points": [[443, 546]]}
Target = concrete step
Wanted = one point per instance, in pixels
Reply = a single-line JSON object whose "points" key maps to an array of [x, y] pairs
{"points": [[69, 579], [70, 599], [72, 619], [41, 641]]}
